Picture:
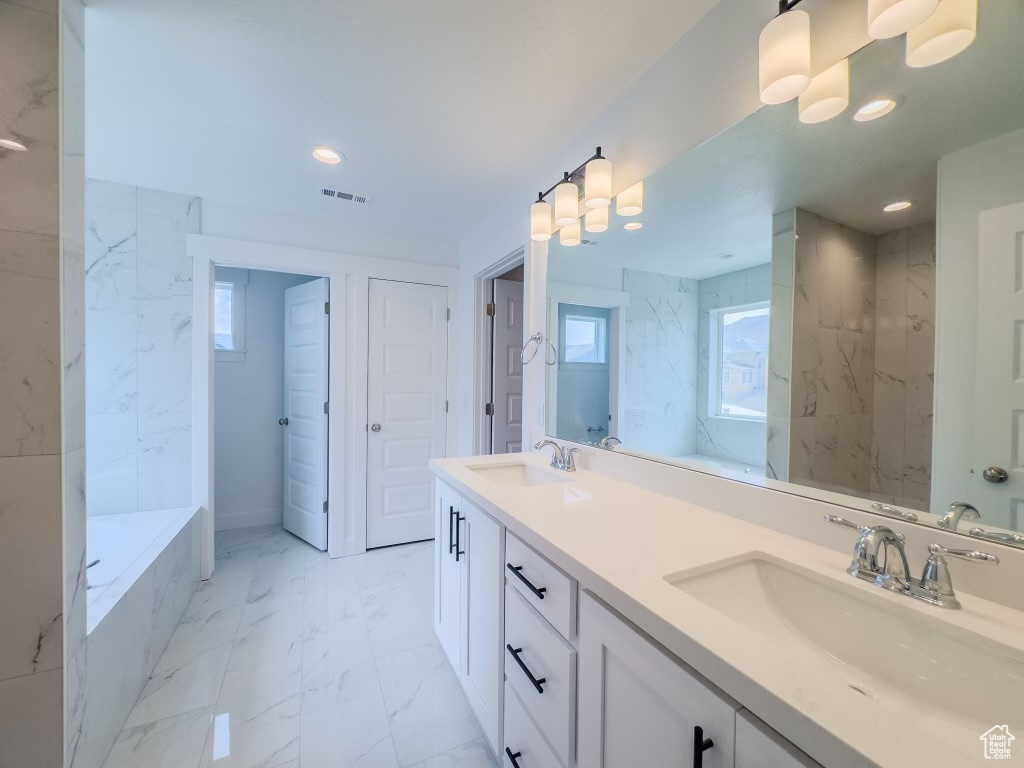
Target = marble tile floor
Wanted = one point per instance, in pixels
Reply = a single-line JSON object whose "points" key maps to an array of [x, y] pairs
{"points": [[288, 659]]}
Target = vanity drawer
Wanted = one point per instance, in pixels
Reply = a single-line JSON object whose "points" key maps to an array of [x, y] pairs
{"points": [[523, 740], [535, 652], [526, 571]]}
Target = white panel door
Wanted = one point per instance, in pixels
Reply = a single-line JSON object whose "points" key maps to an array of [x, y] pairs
{"points": [[507, 368], [407, 390], [999, 368], [305, 396]]}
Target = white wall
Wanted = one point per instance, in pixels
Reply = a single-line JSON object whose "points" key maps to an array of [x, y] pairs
{"points": [[248, 396], [972, 180]]}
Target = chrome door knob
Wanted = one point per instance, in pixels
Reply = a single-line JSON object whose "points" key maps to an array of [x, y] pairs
{"points": [[995, 475], [375, 427]]}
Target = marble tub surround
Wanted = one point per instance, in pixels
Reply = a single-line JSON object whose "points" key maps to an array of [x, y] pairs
{"points": [[661, 349], [579, 528], [42, 532], [288, 658], [132, 618], [139, 329]]}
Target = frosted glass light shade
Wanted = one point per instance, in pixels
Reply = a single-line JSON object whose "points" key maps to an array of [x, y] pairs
{"points": [[596, 219], [540, 221], [784, 57], [570, 234], [943, 34], [567, 203], [888, 18], [630, 201], [597, 184], [827, 95]]}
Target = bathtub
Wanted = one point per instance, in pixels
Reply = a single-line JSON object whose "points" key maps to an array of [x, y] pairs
{"points": [[138, 591]]}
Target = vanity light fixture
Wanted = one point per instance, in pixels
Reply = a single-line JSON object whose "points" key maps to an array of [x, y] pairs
{"points": [[827, 95], [327, 155], [570, 234], [888, 18], [596, 219], [784, 54], [899, 205], [540, 221], [630, 202], [874, 110], [13, 145], [597, 182], [632, 226], [567, 203], [944, 34]]}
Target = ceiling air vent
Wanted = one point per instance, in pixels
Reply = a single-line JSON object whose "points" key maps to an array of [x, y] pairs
{"points": [[347, 197]]}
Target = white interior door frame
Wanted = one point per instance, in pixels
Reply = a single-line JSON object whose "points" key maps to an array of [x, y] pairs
{"points": [[483, 345], [616, 301], [349, 277]]}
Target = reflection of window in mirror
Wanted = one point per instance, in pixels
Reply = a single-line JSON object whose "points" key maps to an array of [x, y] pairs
{"points": [[585, 339], [229, 320], [738, 373]]}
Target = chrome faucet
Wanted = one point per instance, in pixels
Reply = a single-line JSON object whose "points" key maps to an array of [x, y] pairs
{"points": [[607, 444], [935, 585], [957, 511], [562, 458]]}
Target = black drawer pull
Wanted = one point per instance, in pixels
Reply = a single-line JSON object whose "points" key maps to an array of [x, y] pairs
{"points": [[451, 529], [515, 655], [513, 757], [700, 746], [458, 536], [538, 591]]}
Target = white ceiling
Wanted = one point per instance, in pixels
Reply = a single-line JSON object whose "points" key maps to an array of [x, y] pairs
{"points": [[436, 104], [720, 197]]}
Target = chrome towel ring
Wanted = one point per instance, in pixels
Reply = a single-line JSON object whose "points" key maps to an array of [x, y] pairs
{"points": [[538, 340]]}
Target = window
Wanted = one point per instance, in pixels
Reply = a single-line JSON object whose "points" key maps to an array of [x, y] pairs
{"points": [[739, 348], [229, 315], [585, 339]]}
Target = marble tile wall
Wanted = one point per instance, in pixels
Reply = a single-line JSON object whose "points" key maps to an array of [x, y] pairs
{"points": [[139, 329], [780, 346], [901, 438], [739, 440], [41, 383], [661, 355]]}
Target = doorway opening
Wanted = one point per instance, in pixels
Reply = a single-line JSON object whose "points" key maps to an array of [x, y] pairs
{"points": [[271, 363]]}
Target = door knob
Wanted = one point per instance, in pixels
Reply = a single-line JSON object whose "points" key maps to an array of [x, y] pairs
{"points": [[375, 427], [995, 475], [283, 422]]}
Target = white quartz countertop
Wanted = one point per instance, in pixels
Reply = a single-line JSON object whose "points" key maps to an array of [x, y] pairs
{"points": [[620, 541]]}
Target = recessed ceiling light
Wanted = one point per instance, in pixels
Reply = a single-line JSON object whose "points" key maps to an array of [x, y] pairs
{"points": [[8, 144], [633, 225], [328, 155], [899, 205], [874, 110]]}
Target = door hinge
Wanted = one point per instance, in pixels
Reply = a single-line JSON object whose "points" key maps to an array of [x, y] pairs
{"points": [[446, 406], [327, 307], [325, 507], [492, 310], [489, 409], [448, 314], [325, 408]]}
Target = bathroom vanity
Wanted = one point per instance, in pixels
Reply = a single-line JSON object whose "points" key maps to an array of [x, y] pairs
{"points": [[595, 623]]}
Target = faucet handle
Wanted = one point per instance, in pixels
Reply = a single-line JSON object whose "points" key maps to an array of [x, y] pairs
{"points": [[570, 460], [963, 554], [842, 521]]}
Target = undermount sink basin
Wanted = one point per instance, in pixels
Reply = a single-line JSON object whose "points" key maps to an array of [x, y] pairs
{"points": [[519, 474], [875, 645]]}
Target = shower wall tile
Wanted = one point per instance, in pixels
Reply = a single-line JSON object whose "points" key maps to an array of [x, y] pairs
{"points": [[165, 363], [111, 259], [165, 450], [112, 372], [113, 463], [110, 194], [164, 271], [890, 373]]}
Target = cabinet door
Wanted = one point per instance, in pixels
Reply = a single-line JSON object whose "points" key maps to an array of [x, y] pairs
{"points": [[447, 577], [638, 705], [482, 588], [758, 746]]}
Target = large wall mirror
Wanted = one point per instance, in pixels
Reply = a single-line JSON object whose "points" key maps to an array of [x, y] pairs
{"points": [[773, 322]]}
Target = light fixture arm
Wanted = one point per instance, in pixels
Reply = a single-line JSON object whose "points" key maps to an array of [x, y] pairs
{"points": [[569, 175], [787, 5]]}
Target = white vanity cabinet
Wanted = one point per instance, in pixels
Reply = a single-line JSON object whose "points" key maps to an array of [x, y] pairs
{"points": [[640, 706], [758, 746], [468, 558]]}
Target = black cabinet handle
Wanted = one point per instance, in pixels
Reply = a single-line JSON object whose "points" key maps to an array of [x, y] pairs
{"points": [[526, 670], [451, 524], [458, 536], [513, 757], [517, 570], [700, 746]]}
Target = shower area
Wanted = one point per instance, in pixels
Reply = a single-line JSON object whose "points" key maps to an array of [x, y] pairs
{"points": [[142, 534]]}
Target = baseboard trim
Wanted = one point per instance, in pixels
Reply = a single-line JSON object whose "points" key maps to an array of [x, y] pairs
{"points": [[224, 521]]}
